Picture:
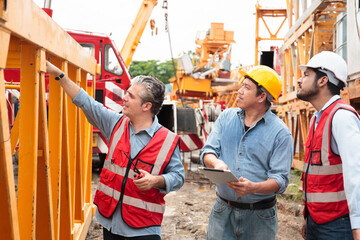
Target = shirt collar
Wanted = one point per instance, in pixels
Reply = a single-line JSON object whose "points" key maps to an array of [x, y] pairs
{"points": [[241, 114], [151, 130], [327, 104]]}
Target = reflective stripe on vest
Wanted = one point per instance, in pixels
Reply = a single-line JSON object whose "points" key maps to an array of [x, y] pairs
{"points": [[163, 152], [323, 170], [325, 197], [324, 193], [116, 139], [325, 146], [152, 207], [326, 168], [160, 160], [109, 191]]}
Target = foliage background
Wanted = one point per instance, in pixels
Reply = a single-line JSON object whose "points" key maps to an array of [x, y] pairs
{"points": [[161, 70]]}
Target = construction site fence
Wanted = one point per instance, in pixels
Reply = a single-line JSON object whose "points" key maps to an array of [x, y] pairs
{"points": [[50, 196]]}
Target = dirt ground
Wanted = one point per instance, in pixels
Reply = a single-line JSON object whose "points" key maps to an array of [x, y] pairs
{"points": [[188, 210]]}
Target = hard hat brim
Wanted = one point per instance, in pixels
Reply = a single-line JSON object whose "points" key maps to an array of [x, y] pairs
{"points": [[243, 73], [303, 67]]}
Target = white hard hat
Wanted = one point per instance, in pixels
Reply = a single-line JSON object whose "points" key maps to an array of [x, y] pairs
{"points": [[328, 61]]}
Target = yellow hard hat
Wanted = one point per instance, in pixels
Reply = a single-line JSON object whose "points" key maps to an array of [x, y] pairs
{"points": [[267, 78]]}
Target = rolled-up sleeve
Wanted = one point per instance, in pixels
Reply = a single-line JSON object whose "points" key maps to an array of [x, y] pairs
{"points": [[174, 173], [213, 143], [99, 116], [281, 160]]}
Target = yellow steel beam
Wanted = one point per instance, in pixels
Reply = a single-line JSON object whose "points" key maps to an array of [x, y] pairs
{"points": [[44, 211], [13, 59], [55, 140], [38, 28], [9, 226], [29, 105], [65, 210], [79, 190], [72, 121], [87, 156], [54, 179]]}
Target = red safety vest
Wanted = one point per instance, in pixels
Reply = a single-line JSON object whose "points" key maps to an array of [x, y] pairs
{"points": [[323, 183], [139, 208]]}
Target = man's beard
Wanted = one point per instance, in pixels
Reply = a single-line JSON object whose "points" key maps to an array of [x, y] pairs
{"points": [[310, 94]]}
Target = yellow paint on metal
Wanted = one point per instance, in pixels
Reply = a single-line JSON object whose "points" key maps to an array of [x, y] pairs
{"points": [[54, 177], [13, 59], [263, 14], [137, 29], [3, 12], [37, 27], [78, 195], [28, 138], [55, 130], [44, 210], [9, 226], [72, 121], [65, 227]]}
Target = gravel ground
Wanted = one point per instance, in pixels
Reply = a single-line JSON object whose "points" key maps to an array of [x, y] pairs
{"points": [[187, 212]]}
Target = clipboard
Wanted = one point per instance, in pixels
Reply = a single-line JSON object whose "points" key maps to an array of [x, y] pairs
{"points": [[218, 176]]}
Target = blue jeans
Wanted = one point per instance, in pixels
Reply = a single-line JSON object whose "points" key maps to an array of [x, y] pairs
{"points": [[229, 223], [337, 229]]}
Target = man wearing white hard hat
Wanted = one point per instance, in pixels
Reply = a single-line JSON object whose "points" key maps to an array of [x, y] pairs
{"points": [[331, 174]]}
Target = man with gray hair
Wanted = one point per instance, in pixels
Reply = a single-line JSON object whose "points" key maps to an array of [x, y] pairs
{"points": [[143, 163]]}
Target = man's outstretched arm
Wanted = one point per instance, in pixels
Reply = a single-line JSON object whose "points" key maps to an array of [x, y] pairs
{"points": [[69, 86]]}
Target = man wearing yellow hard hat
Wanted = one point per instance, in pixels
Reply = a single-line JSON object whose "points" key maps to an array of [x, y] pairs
{"points": [[257, 147]]}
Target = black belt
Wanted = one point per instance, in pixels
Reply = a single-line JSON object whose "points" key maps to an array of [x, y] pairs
{"points": [[264, 204]]}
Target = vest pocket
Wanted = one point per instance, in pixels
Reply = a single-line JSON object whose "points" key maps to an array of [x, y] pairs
{"points": [[140, 164], [315, 158]]}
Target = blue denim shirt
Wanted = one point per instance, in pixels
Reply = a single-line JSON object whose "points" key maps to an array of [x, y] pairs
{"points": [[264, 151], [105, 120]]}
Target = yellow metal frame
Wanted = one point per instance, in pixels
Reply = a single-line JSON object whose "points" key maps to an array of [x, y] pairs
{"points": [[311, 33], [263, 14], [53, 199]]}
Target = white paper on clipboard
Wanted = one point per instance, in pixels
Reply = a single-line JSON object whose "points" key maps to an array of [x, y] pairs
{"points": [[218, 176]]}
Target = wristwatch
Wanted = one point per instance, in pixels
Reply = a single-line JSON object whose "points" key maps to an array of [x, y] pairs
{"points": [[60, 76]]}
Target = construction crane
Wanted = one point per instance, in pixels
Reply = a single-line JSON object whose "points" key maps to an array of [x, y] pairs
{"points": [[137, 29]]}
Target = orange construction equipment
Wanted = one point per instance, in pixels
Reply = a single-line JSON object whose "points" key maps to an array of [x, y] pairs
{"points": [[214, 52]]}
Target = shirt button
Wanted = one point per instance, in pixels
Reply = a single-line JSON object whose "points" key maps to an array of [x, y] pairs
{"points": [[238, 169], [241, 153]]}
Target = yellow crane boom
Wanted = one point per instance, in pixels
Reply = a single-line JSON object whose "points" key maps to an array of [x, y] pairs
{"points": [[137, 29]]}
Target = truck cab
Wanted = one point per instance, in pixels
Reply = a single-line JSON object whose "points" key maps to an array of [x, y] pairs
{"points": [[111, 84]]}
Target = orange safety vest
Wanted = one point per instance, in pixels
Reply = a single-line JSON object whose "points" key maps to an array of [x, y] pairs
{"points": [[323, 183], [139, 208]]}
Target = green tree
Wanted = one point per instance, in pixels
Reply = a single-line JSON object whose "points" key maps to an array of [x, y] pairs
{"points": [[161, 70]]}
